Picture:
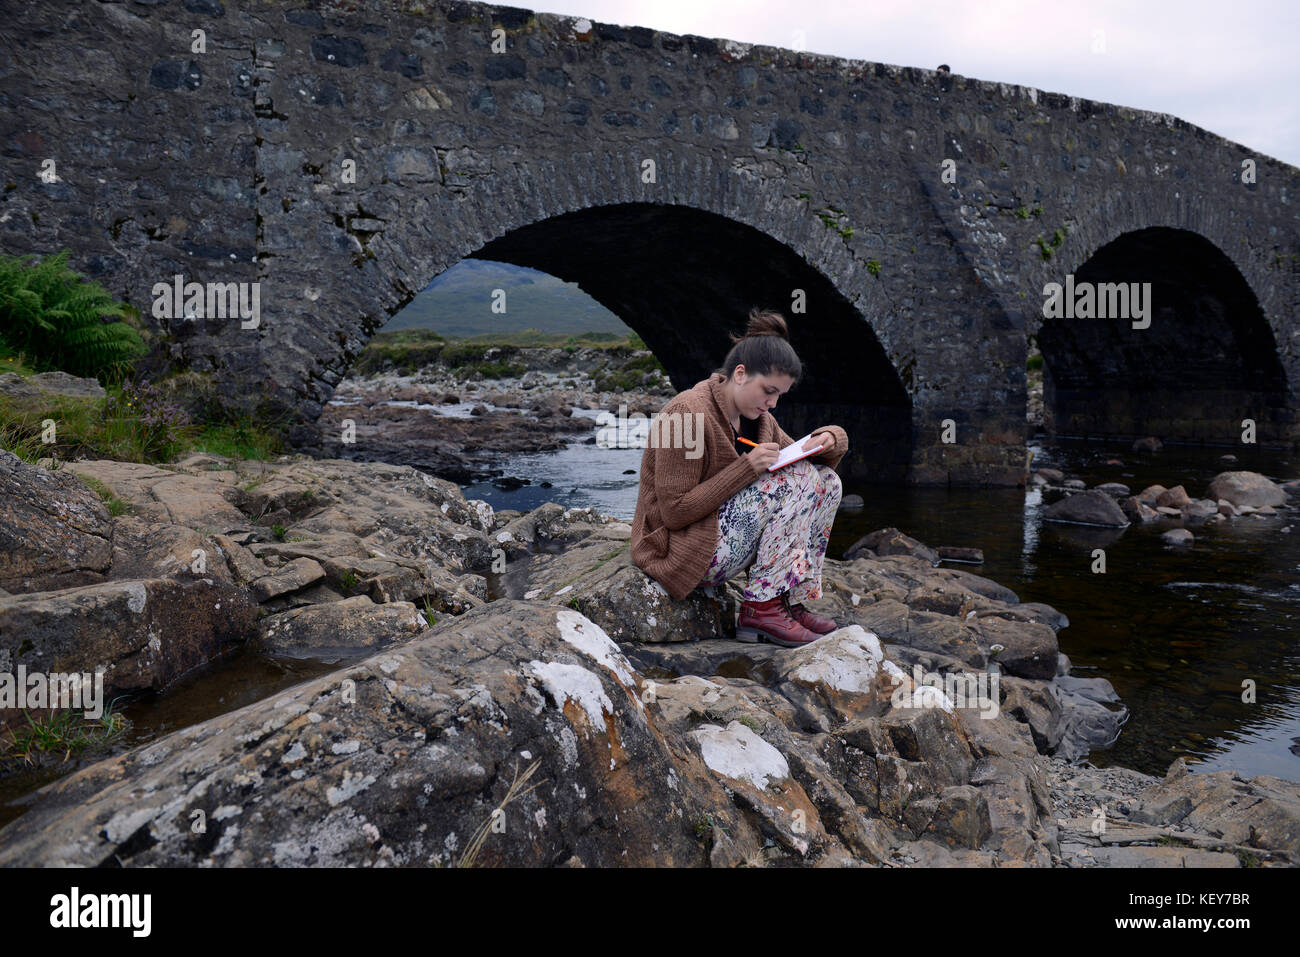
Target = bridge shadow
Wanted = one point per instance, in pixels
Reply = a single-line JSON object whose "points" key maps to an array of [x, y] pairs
{"points": [[684, 278], [1207, 361]]}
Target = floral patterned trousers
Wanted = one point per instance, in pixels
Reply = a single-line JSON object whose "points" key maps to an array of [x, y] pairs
{"points": [[778, 527]]}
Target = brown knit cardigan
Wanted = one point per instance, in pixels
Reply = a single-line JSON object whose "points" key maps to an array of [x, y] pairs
{"points": [[675, 528]]}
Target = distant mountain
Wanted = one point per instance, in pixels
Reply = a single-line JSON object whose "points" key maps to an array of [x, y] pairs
{"points": [[459, 303]]}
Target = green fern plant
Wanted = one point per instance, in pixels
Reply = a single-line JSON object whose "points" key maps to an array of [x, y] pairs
{"points": [[56, 317]]}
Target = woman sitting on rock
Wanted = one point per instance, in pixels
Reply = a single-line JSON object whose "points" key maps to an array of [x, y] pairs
{"points": [[703, 518]]}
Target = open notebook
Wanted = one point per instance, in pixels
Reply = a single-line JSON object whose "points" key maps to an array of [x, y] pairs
{"points": [[793, 453]]}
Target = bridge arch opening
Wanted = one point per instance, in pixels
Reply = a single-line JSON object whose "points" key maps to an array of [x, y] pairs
{"points": [[683, 278], [1207, 360]]}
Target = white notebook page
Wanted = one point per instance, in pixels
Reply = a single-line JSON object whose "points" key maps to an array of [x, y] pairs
{"points": [[792, 452]]}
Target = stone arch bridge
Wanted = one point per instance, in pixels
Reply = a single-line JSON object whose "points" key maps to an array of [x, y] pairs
{"points": [[342, 154]]}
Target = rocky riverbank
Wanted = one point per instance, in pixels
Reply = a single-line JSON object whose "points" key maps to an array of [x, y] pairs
{"points": [[458, 421], [512, 690]]}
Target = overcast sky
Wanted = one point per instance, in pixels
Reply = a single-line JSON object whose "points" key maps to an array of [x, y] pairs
{"points": [[1230, 67]]}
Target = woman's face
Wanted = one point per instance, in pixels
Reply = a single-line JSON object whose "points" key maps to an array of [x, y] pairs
{"points": [[756, 394]]}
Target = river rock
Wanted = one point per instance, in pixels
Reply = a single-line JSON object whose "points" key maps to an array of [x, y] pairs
{"points": [[145, 634], [985, 587], [1197, 512], [1150, 494], [344, 628], [1116, 489], [1138, 510], [297, 574], [1086, 508], [1262, 811], [890, 541], [1178, 537], [1036, 704], [1091, 715], [1175, 497], [54, 530], [950, 553], [1039, 612], [1147, 444], [1029, 648], [894, 622], [1245, 488], [842, 675], [851, 502], [946, 598], [161, 550], [1050, 476], [755, 661], [598, 578]]}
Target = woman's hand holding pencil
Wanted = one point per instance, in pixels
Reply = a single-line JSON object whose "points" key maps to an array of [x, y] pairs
{"points": [[761, 456]]}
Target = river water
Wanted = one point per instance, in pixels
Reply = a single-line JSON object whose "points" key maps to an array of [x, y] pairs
{"points": [[1176, 631]]}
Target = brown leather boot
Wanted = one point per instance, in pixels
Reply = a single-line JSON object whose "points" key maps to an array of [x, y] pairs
{"points": [[809, 619], [771, 621]]}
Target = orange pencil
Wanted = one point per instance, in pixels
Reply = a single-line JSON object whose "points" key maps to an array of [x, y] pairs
{"points": [[741, 438]]}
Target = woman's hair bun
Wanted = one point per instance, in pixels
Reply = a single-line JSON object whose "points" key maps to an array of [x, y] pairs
{"points": [[765, 322], [765, 347]]}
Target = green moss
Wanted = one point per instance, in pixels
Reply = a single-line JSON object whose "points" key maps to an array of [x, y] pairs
{"points": [[115, 505], [1048, 247]]}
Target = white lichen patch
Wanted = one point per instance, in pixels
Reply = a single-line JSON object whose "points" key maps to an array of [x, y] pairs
{"points": [[478, 696], [737, 752], [484, 511], [126, 822], [350, 786], [653, 590], [345, 747], [136, 596], [574, 682], [568, 742], [589, 638], [928, 696], [294, 754], [847, 660]]}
